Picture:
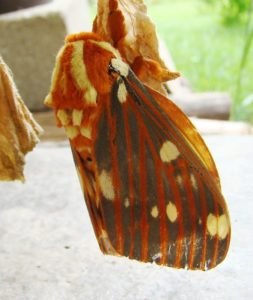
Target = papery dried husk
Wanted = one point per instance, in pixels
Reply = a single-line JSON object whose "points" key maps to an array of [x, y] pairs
{"points": [[19, 132], [125, 24]]}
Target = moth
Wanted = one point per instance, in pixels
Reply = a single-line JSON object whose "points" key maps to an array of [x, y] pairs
{"points": [[149, 181]]}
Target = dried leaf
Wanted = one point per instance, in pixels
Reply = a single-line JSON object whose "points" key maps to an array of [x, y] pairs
{"points": [[19, 132], [125, 24]]}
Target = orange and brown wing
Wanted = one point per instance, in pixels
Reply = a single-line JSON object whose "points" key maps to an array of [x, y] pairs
{"points": [[157, 196], [150, 184]]}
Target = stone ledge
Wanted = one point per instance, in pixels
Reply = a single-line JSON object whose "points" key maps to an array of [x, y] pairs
{"points": [[30, 40]]}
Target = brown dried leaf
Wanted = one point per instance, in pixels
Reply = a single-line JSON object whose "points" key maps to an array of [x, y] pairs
{"points": [[19, 132], [125, 24]]}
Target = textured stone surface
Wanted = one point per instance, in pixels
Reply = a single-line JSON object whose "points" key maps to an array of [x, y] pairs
{"points": [[48, 249], [30, 39]]}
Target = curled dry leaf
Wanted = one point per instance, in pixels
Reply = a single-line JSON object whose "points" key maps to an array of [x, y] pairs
{"points": [[19, 132], [125, 24]]}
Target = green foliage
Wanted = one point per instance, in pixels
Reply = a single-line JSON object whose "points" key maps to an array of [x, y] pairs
{"points": [[207, 54], [231, 12], [243, 108]]}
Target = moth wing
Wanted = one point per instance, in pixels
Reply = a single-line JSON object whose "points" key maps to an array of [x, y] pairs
{"points": [[188, 131], [159, 200]]}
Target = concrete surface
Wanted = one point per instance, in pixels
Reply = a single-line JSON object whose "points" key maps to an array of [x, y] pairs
{"points": [[48, 250]]}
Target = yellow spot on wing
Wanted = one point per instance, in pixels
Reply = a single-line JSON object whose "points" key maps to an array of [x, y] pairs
{"points": [[63, 117], [122, 93], [106, 185], [194, 182], [179, 179], [71, 132], [86, 132], [212, 224], [127, 203], [223, 226], [171, 211], [218, 225], [169, 152], [155, 212], [77, 116]]}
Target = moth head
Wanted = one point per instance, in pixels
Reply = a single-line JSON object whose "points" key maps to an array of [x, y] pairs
{"points": [[86, 67]]}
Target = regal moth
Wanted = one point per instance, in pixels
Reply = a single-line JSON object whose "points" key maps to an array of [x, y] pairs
{"points": [[149, 181]]}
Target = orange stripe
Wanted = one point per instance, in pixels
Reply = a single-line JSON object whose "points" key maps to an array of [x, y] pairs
{"points": [[130, 176], [90, 202], [227, 245], [162, 201], [216, 238], [143, 198], [178, 202], [192, 208], [203, 205], [161, 196], [163, 226], [116, 183]]}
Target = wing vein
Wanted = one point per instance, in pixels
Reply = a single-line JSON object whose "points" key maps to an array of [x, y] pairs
{"points": [[116, 183], [130, 176]]}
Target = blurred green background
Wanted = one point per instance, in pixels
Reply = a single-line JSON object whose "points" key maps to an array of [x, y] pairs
{"points": [[210, 42]]}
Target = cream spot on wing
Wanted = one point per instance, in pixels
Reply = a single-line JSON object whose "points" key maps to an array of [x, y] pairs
{"points": [[77, 116], [200, 221], [71, 132], [179, 179], [223, 226], [106, 185], [169, 152], [122, 92], [212, 224], [194, 182], [154, 212], [171, 211], [63, 117], [126, 203], [119, 65], [86, 132]]}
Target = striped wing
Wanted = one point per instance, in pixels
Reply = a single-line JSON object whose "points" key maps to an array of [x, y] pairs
{"points": [[158, 202]]}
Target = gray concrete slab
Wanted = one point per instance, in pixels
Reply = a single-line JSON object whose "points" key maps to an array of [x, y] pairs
{"points": [[48, 249]]}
